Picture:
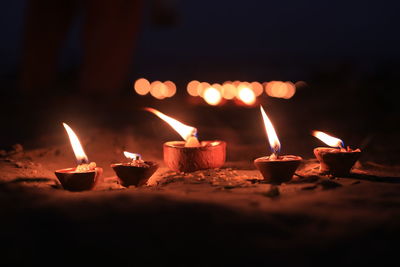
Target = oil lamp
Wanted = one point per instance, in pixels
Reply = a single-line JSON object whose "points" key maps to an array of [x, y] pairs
{"points": [[275, 169], [336, 159], [190, 155], [135, 172], [85, 175]]}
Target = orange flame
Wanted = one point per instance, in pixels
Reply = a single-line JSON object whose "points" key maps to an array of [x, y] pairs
{"points": [[183, 130], [327, 139], [272, 137], [76, 146], [132, 156]]}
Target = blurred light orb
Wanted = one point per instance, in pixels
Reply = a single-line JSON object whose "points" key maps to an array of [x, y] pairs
{"points": [[170, 89], [246, 95], [217, 86], [157, 89], [257, 88], [202, 87], [192, 88], [228, 91], [290, 90], [212, 96], [142, 86]]}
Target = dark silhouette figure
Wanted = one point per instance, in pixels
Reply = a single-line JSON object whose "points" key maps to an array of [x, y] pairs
{"points": [[108, 36]]}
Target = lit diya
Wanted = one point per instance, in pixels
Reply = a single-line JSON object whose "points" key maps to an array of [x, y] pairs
{"points": [[85, 175], [190, 155], [275, 169], [336, 159], [135, 172]]}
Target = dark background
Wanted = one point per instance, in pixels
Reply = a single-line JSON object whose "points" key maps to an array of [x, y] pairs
{"points": [[346, 51]]}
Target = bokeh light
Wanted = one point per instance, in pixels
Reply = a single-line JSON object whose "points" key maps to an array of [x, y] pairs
{"points": [[156, 89], [212, 96], [142, 86], [192, 88], [246, 95], [228, 91], [257, 88], [170, 90], [202, 87]]}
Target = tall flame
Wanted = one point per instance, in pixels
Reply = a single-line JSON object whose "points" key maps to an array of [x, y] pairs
{"points": [[183, 130], [76, 146], [272, 137], [327, 139], [132, 156]]}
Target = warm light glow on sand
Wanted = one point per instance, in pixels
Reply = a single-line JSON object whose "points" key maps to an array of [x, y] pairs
{"points": [[76, 145], [142, 86], [192, 88], [246, 95], [327, 139], [183, 130], [212, 96], [272, 137]]}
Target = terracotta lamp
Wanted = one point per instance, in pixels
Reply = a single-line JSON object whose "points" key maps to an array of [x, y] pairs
{"points": [[85, 175], [190, 155], [135, 172], [336, 159], [276, 169]]}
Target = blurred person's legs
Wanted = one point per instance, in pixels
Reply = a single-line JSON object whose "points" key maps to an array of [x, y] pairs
{"points": [[110, 31], [46, 27]]}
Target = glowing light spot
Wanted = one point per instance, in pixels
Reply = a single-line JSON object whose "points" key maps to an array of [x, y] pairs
{"points": [[228, 91], [217, 86], [257, 88], [290, 90], [246, 95], [142, 86], [156, 89], [202, 87], [212, 96], [192, 88], [170, 90]]}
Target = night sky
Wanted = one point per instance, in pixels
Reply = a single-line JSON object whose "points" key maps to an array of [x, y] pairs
{"points": [[293, 37]]}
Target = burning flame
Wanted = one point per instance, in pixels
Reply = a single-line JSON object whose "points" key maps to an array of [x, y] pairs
{"points": [[183, 130], [76, 146], [327, 139], [272, 137], [132, 156]]}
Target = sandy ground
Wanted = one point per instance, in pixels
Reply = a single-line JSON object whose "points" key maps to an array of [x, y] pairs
{"points": [[222, 216]]}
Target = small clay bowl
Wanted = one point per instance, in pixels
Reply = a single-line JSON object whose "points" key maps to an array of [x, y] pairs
{"points": [[78, 181], [211, 154], [279, 170], [134, 175], [334, 161]]}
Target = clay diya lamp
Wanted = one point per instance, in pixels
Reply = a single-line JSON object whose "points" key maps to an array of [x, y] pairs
{"points": [[85, 175], [336, 159], [136, 172], [276, 169], [190, 155]]}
